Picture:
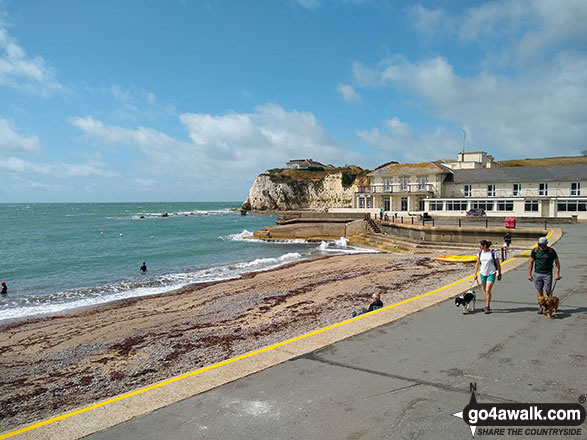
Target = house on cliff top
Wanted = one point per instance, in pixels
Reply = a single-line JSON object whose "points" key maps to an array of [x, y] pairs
{"points": [[303, 164]]}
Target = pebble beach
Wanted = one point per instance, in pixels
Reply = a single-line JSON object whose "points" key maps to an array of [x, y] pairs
{"points": [[54, 364]]}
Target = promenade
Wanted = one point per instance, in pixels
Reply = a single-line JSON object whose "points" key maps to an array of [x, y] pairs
{"points": [[401, 380]]}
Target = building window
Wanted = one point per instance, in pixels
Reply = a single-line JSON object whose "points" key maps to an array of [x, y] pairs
{"points": [[369, 202], [517, 189], [361, 202], [531, 206], [436, 206], [467, 191], [404, 204], [486, 205], [576, 188], [421, 205], [572, 205], [404, 184], [490, 190], [386, 204], [387, 185], [422, 186], [543, 189], [455, 205], [505, 205]]}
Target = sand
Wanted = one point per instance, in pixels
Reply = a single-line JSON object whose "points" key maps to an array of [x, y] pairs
{"points": [[55, 364]]}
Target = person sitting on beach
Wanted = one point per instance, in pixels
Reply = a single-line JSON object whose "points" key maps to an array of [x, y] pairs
{"points": [[376, 304], [4, 288], [144, 267], [507, 239]]}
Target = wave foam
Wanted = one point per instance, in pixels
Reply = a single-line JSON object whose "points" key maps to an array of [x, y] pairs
{"points": [[341, 246], [151, 215], [59, 302]]}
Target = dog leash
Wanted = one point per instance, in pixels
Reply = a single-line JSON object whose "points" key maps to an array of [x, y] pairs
{"points": [[554, 286]]}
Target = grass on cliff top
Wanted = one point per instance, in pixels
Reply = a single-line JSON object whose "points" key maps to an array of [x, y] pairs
{"points": [[546, 161], [286, 175]]}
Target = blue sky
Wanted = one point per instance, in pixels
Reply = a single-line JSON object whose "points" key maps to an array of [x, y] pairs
{"points": [[185, 100]]}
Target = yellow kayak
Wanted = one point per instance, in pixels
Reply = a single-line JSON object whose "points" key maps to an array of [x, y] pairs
{"points": [[457, 258]]}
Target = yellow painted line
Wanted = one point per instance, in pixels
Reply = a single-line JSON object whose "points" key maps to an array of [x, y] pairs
{"points": [[228, 361]]}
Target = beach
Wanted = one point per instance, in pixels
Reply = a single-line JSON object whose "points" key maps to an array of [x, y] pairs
{"points": [[58, 363]]}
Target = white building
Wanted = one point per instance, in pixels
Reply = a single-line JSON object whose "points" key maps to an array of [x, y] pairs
{"points": [[470, 160], [303, 164], [474, 180]]}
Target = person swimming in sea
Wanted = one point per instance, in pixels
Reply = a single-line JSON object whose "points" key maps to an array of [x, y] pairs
{"points": [[144, 267], [4, 288]]}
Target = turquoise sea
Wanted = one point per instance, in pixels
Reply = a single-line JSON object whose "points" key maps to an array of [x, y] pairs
{"points": [[55, 257]]}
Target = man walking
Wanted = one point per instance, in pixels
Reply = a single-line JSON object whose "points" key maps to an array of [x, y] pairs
{"points": [[542, 259]]}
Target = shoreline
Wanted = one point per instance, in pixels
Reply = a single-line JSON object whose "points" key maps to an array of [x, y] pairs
{"points": [[54, 364], [117, 303]]}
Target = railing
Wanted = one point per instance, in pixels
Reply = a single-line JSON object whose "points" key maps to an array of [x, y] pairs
{"points": [[396, 188], [421, 219], [525, 192]]}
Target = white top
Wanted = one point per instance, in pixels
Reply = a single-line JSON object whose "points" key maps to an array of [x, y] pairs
{"points": [[487, 263]]}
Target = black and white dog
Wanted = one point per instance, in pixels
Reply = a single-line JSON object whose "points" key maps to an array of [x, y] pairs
{"points": [[467, 300]]}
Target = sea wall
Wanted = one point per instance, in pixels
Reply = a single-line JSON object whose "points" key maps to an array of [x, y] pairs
{"points": [[312, 230], [464, 234], [321, 227]]}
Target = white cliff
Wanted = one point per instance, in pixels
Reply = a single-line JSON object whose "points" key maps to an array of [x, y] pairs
{"points": [[269, 193]]}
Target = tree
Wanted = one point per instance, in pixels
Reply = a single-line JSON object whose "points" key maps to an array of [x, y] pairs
{"points": [[584, 153]]}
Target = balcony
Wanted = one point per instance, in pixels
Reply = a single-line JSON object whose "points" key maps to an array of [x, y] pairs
{"points": [[396, 188]]}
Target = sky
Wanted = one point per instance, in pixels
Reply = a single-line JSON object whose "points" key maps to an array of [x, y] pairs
{"points": [[189, 100]]}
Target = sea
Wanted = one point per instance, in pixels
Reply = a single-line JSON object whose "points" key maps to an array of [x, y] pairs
{"points": [[56, 257]]}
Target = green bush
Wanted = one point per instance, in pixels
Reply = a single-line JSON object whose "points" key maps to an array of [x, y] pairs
{"points": [[348, 179]]}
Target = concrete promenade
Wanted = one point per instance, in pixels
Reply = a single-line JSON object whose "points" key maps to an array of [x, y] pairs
{"points": [[402, 379]]}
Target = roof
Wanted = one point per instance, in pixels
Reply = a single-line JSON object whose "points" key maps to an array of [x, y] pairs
{"points": [[521, 174], [409, 168], [307, 161]]}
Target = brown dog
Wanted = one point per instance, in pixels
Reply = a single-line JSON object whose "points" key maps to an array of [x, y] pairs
{"points": [[549, 306]]}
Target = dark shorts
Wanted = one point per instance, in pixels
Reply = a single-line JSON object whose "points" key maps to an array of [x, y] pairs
{"points": [[543, 281]]}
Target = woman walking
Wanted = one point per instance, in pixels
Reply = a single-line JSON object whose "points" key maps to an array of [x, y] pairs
{"points": [[490, 266]]}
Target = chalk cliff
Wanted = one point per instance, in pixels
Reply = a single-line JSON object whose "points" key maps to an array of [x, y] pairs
{"points": [[300, 189]]}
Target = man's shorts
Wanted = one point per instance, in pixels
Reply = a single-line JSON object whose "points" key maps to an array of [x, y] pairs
{"points": [[543, 281], [485, 278]]}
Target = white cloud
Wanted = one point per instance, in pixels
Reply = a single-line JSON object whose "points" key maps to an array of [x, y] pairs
{"points": [[233, 147], [145, 184], [397, 142], [19, 186], [309, 4], [348, 93], [528, 94], [121, 95], [538, 113], [10, 140], [270, 135], [135, 103], [23, 72], [430, 22], [59, 170], [519, 30]]}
